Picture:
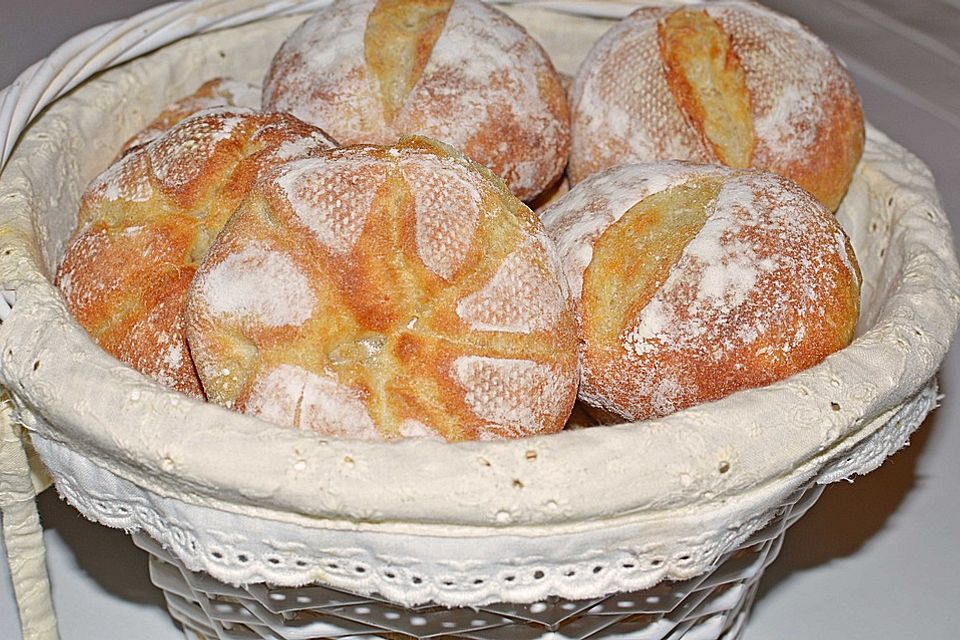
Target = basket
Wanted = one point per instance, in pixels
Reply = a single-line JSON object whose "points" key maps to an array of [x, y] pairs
{"points": [[712, 605], [659, 531]]}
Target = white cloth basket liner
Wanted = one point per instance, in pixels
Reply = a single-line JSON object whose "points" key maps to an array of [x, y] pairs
{"points": [[230, 494]]}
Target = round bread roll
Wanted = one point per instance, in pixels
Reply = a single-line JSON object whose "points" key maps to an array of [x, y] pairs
{"points": [[368, 71], [218, 92], [146, 221], [692, 282], [726, 82], [384, 292]]}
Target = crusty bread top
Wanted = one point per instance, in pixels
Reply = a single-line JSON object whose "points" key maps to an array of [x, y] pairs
{"points": [[461, 72], [694, 281], [727, 81], [217, 92], [384, 292], [146, 221]]}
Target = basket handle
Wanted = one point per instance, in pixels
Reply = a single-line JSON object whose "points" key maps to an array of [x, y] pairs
{"points": [[22, 534]]}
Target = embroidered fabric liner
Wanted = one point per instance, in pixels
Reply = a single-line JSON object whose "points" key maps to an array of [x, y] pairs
{"points": [[429, 566]]}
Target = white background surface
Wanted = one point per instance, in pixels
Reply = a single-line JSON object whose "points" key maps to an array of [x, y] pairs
{"points": [[876, 559]]}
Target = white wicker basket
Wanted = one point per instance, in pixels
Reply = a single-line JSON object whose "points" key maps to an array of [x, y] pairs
{"points": [[695, 502], [714, 604]]}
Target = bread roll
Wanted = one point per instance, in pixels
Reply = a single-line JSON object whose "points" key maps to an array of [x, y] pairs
{"points": [[459, 71], [727, 82], [218, 92], [146, 221], [382, 292], [692, 282]]}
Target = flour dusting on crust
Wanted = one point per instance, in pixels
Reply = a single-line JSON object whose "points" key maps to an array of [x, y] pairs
{"points": [[291, 395], [790, 73], [523, 296], [259, 284], [512, 395], [447, 197], [332, 197], [482, 90], [302, 147], [622, 107], [759, 265], [576, 220], [353, 211], [218, 92], [318, 75], [181, 156], [804, 107], [145, 223], [761, 287], [485, 98], [128, 179]]}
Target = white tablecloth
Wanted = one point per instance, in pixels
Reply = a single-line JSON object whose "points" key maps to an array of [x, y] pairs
{"points": [[877, 559]]}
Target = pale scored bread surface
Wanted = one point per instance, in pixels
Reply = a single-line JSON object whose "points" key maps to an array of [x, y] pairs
{"points": [[145, 222], [460, 72], [217, 92], [419, 299], [633, 100], [766, 285]]}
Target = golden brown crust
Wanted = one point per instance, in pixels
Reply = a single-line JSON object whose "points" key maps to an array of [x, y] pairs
{"points": [[145, 223], [727, 81], [100, 270], [398, 42], [461, 72], [414, 297], [706, 284], [708, 82], [839, 140], [217, 92], [656, 230]]}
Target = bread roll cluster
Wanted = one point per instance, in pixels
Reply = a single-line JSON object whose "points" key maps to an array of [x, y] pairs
{"points": [[387, 289], [146, 222]]}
